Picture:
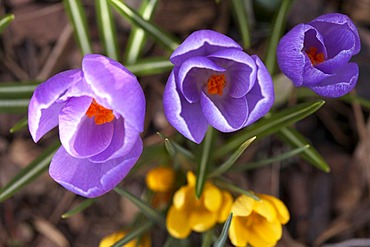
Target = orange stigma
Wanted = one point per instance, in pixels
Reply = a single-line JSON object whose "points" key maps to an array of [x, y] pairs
{"points": [[216, 84], [315, 57], [102, 115]]}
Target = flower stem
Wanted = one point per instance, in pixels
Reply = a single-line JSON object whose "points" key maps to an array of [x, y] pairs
{"points": [[202, 168]]}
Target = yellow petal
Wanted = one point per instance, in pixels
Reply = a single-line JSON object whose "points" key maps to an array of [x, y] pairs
{"points": [[177, 223], [160, 179], [191, 178], [227, 201], [146, 241], [238, 231], [265, 209], [242, 206], [202, 220], [282, 211], [113, 238], [269, 232], [257, 241], [212, 197], [184, 198]]}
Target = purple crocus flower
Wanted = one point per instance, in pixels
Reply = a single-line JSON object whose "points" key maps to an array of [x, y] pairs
{"points": [[215, 83], [316, 55], [100, 111]]}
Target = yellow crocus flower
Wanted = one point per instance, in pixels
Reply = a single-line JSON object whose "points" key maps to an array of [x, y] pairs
{"points": [[188, 213], [111, 239], [258, 223], [160, 179]]}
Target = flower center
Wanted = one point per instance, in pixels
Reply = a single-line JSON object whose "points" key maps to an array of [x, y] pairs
{"points": [[102, 115], [216, 84], [315, 57]]}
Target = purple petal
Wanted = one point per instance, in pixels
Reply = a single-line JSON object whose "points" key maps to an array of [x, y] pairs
{"points": [[118, 86], [187, 118], [340, 50], [201, 43], [241, 70], [89, 179], [290, 58], [314, 39], [334, 21], [124, 137], [261, 98], [79, 134], [226, 114], [340, 84], [311, 74], [43, 110], [193, 75]]}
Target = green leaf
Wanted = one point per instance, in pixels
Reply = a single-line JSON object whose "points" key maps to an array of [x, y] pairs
{"points": [[261, 163], [19, 125], [231, 187], [170, 148], [277, 30], [150, 66], [296, 139], [220, 242], [144, 208], [134, 233], [85, 204], [203, 166], [271, 124], [77, 16], [174, 148], [5, 21], [241, 16], [351, 98], [138, 36], [13, 105], [107, 29], [30, 173], [207, 238], [167, 39], [16, 90], [231, 161]]}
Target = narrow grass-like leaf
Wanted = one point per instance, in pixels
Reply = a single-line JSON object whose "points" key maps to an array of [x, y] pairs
{"points": [[171, 242], [5, 21], [311, 155], [170, 148], [134, 234], [231, 161], [150, 66], [77, 16], [137, 36], [261, 163], [165, 38], [175, 147], [231, 187], [203, 166], [19, 125], [81, 207], [277, 30], [144, 208], [14, 105], [107, 29], [241, 16], [16, 90], [350, 98], [271, 124], [29, 173], [207, 238], [220, 242]]}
